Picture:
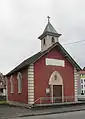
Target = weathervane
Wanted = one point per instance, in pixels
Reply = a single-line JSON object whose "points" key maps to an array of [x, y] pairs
{"points": [[48, 18]]}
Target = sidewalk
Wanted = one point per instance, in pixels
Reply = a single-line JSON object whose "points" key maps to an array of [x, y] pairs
{"points": [[48, 111]]}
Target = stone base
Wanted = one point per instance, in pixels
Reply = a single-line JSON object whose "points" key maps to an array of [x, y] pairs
{"points": [[18, 104]]}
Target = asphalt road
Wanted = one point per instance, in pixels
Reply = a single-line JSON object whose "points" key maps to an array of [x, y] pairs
{"points": [[70, 115], [10, 112], [7, 112]]}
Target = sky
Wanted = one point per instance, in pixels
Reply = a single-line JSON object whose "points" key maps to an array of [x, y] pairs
{"points": [[23, 21]]}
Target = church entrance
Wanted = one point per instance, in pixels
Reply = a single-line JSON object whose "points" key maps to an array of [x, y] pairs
{"points": [[56, 85], [57, 93]]}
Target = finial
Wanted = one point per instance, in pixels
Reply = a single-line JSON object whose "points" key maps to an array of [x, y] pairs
{"points": [[48, 18]]}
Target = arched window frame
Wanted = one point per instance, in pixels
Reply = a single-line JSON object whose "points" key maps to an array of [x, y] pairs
{"points": [[19, 79], [11, 84]]}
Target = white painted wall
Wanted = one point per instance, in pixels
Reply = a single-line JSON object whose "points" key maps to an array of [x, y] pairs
{"points": [[48, 42]]}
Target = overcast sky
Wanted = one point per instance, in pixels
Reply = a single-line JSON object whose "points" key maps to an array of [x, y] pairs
{"points": [[22, 21]]}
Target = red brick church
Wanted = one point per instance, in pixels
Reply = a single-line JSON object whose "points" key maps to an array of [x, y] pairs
{"points": [[49, 76]]}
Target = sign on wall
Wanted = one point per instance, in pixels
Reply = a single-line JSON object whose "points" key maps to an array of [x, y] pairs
{"points": [[55, 62]]}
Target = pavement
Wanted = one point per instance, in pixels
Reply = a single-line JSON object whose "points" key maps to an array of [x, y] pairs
{"points": [[56, 110], [10, 112], [70, 115]]}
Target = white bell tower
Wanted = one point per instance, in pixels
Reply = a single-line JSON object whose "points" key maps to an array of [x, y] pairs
{"points": [[49, 36]]}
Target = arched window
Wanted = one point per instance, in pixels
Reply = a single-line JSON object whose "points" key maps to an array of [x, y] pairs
{"points": [[53, 40], [11, 85], [19, 78]]}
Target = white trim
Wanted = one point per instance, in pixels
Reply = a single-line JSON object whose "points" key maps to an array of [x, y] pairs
{"points": [[52, 92], [76, 85], [31, 84], [52, 82], [11, 85], [19, 79]]}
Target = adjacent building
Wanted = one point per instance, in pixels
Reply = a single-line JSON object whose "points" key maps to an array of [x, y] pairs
{"points": [[81, 85]]}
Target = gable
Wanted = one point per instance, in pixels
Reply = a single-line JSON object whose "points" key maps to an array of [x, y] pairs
{"points": [[55, 58], [35, 57]]}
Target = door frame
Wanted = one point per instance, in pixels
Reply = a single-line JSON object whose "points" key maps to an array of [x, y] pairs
{"points": [[52, 82], [52, 93]]}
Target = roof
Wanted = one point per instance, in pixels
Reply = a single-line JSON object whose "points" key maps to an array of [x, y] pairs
{"points": [[25, 63], [49, 30], [35, 57]]}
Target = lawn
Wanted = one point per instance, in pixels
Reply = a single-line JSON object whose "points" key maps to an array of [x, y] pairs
{"points": [[3, 102]]}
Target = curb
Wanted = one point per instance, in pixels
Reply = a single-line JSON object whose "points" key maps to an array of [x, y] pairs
{"points": [[49, 113]]}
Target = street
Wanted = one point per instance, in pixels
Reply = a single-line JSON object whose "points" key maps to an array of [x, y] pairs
{"points": [[7, 112], [10, 112], [70, 115]]}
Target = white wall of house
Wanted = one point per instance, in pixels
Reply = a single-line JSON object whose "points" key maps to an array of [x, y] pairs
{"points": [[3, 93]]}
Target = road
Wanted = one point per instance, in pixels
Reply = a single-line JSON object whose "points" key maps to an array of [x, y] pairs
{"points": [[10, 112], [7, 112], [70, 115]]}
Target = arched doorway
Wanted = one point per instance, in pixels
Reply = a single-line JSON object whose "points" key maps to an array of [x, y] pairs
{"points": [[56, 85]]}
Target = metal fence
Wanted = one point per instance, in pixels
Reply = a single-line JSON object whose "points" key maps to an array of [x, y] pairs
{"points": [[50, 100]]}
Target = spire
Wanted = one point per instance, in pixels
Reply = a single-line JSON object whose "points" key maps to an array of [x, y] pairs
{"points": [[49, 27], [49, 30]]}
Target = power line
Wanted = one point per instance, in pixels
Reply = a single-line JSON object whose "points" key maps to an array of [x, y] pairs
{"points": [[74, 42]]}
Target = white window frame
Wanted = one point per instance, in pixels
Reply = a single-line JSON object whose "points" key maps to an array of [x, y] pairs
{"points": [[19, 79], [11, 84]]}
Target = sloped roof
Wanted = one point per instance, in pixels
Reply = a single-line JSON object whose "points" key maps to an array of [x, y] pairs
{"points": [[25, 63], [49, 30], [35, 57]]}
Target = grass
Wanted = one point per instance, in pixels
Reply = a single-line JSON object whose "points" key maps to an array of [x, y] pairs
{"points": [[3, 102]]}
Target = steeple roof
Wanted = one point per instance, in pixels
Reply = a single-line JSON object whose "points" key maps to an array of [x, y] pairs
{"points": [[49, 30]]}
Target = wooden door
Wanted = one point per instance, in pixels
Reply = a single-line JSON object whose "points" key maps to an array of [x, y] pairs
{"points": [[57, 92]]}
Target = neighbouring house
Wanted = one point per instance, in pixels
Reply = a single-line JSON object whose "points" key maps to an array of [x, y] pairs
{"points": [[49, 76], [81, 85], [2, 87]]}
